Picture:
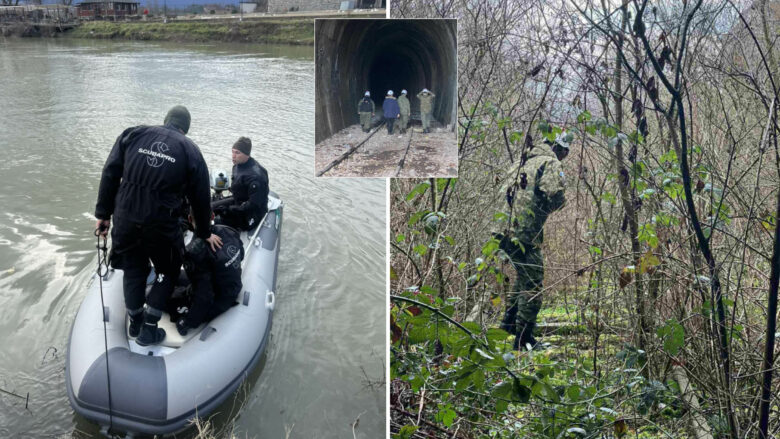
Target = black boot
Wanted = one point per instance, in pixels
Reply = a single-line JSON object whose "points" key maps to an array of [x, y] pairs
{"points": [[525, 336], [508, 322], [136, 320], [182, 327], [150, 333]]}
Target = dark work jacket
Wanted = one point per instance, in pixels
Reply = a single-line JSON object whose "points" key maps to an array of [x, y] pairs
{"points": [[366, 105], [390, 107], [218, 272], [249, 187], [147, 174]]}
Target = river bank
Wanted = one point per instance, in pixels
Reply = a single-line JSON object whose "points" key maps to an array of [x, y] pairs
{"points": [[276, 31], [293, 28]]}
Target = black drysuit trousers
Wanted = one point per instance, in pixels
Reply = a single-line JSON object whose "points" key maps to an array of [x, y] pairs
{"points": [[134, 245]]}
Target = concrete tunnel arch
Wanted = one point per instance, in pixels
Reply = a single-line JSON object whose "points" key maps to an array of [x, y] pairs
{"points": [[379, 55]]}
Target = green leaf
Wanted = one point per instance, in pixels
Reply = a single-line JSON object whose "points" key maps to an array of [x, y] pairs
{"points": [[406, 432], [450, 240], [609, 197], [496, 335], [584, 116], [417, 216], [673, 334], [445, 415], [669, 157], [501, 217], [484, 354], [490, 247], [545, 391], [520, 393], [573, 392], [400, 238], [594, 250], [419, 189], [463, 381], [421, 249], [441, 183], [516, 137], [473, 327], [636, 137], [478, 379], [503, 394]]}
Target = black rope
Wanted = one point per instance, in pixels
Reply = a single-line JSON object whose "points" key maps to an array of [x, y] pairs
{"points": [[102, 270]]}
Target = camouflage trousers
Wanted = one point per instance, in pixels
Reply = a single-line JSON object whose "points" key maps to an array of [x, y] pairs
{"points": [[426, 120], [403, 122], [365, 120], [525, 300]]}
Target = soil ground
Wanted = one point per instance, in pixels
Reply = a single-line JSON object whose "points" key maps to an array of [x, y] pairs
{"points": [[430, 155]]}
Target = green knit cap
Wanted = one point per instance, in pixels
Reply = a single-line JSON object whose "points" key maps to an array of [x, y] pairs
{"points": [[179, 117], [244, 145]]}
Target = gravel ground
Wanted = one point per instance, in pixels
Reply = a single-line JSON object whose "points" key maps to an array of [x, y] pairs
{"points": [[430, 155]]}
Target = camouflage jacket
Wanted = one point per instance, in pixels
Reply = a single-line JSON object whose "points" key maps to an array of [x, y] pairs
{"points": [[426, 101], [533, 192], [403, 103]]}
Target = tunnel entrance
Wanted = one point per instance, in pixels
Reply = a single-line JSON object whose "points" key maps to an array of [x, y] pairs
{"points": [[353, 56]]}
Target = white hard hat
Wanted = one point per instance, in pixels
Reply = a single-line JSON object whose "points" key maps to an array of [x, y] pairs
{"points": [[425, 90], [389, 92], [368, 93], [563, 139], [403, 92]]}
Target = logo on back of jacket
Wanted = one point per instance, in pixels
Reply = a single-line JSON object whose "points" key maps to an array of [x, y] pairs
{"points": [[233, 252], [155, 155]]}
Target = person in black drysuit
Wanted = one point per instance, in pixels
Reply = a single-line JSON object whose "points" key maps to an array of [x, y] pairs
{"points": [[215, 276], [249, 186], [147, 174]]}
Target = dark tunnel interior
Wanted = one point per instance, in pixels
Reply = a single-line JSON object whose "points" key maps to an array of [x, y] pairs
{"points": [[380, 55]]}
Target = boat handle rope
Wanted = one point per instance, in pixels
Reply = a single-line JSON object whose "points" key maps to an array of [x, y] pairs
{"points": [[102, 270], [254, 235]]}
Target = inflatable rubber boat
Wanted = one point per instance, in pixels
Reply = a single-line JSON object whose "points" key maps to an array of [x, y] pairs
{"points": [[160, 389]]}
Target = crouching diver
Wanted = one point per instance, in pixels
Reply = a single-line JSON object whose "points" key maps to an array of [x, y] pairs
{"points": [[147, 174], [249, 187], [215, 276]]}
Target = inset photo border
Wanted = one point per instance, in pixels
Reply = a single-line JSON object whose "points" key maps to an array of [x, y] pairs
{"points": [[386, 98]]}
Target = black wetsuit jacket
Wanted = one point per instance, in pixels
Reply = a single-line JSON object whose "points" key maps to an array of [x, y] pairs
{"points": [[215, 276], [147, 174], [250, 191]]}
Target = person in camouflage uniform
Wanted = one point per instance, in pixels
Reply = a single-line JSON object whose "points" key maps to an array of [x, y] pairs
{"points": [[366, 109], [534, 191], [426, 106], [403, 103]]}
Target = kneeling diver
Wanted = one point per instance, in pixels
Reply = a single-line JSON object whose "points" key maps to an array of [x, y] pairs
{"points": [[215, 276]]}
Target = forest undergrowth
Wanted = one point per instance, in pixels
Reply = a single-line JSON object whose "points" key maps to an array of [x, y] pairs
{"points": [[662, 268]]}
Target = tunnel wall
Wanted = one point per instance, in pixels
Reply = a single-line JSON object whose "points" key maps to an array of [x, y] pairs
{"points": [[353, 56]]}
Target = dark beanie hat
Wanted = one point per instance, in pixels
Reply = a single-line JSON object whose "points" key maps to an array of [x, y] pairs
{"points": [[244, 145], [179, 117]]}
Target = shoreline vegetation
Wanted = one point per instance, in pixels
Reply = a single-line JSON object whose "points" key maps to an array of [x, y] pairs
{"points": [[292, 31]]}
